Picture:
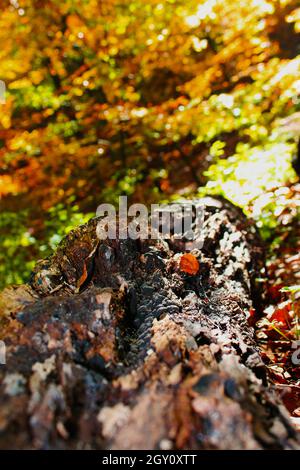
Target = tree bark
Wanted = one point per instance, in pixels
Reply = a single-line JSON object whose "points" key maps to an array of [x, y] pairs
{"points": [[113, 346]]}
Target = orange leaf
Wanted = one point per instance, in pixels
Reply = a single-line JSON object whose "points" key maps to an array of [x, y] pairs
{"points": [[83, 277], [73, 21], [189, 263]]}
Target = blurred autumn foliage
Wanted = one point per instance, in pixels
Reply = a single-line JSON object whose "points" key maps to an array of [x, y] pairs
{"points": [[148, 99]]}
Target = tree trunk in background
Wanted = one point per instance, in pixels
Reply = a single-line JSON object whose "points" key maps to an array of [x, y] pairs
{"points": [[144, 355]]}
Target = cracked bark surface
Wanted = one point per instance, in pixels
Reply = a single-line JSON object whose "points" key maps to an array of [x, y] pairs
{"points": [[123, 350]]}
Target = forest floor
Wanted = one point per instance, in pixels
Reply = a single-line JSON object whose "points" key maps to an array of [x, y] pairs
{"points": [[278, 330]]}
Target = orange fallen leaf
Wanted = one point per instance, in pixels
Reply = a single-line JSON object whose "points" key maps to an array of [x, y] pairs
{"points": [[189, 263], [83, 277], [85, 271]]}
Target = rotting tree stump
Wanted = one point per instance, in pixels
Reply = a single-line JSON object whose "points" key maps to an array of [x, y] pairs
{"points": [[143, 355]]}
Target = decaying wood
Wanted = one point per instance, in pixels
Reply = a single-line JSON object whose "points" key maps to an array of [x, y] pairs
{"points": [[123, 350]]}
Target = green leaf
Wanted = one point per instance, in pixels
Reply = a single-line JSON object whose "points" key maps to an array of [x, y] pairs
{"points": [[291, 289]]}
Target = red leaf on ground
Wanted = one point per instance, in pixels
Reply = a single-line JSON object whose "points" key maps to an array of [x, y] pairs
{"points": [[281, 315], [274, 292]]}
